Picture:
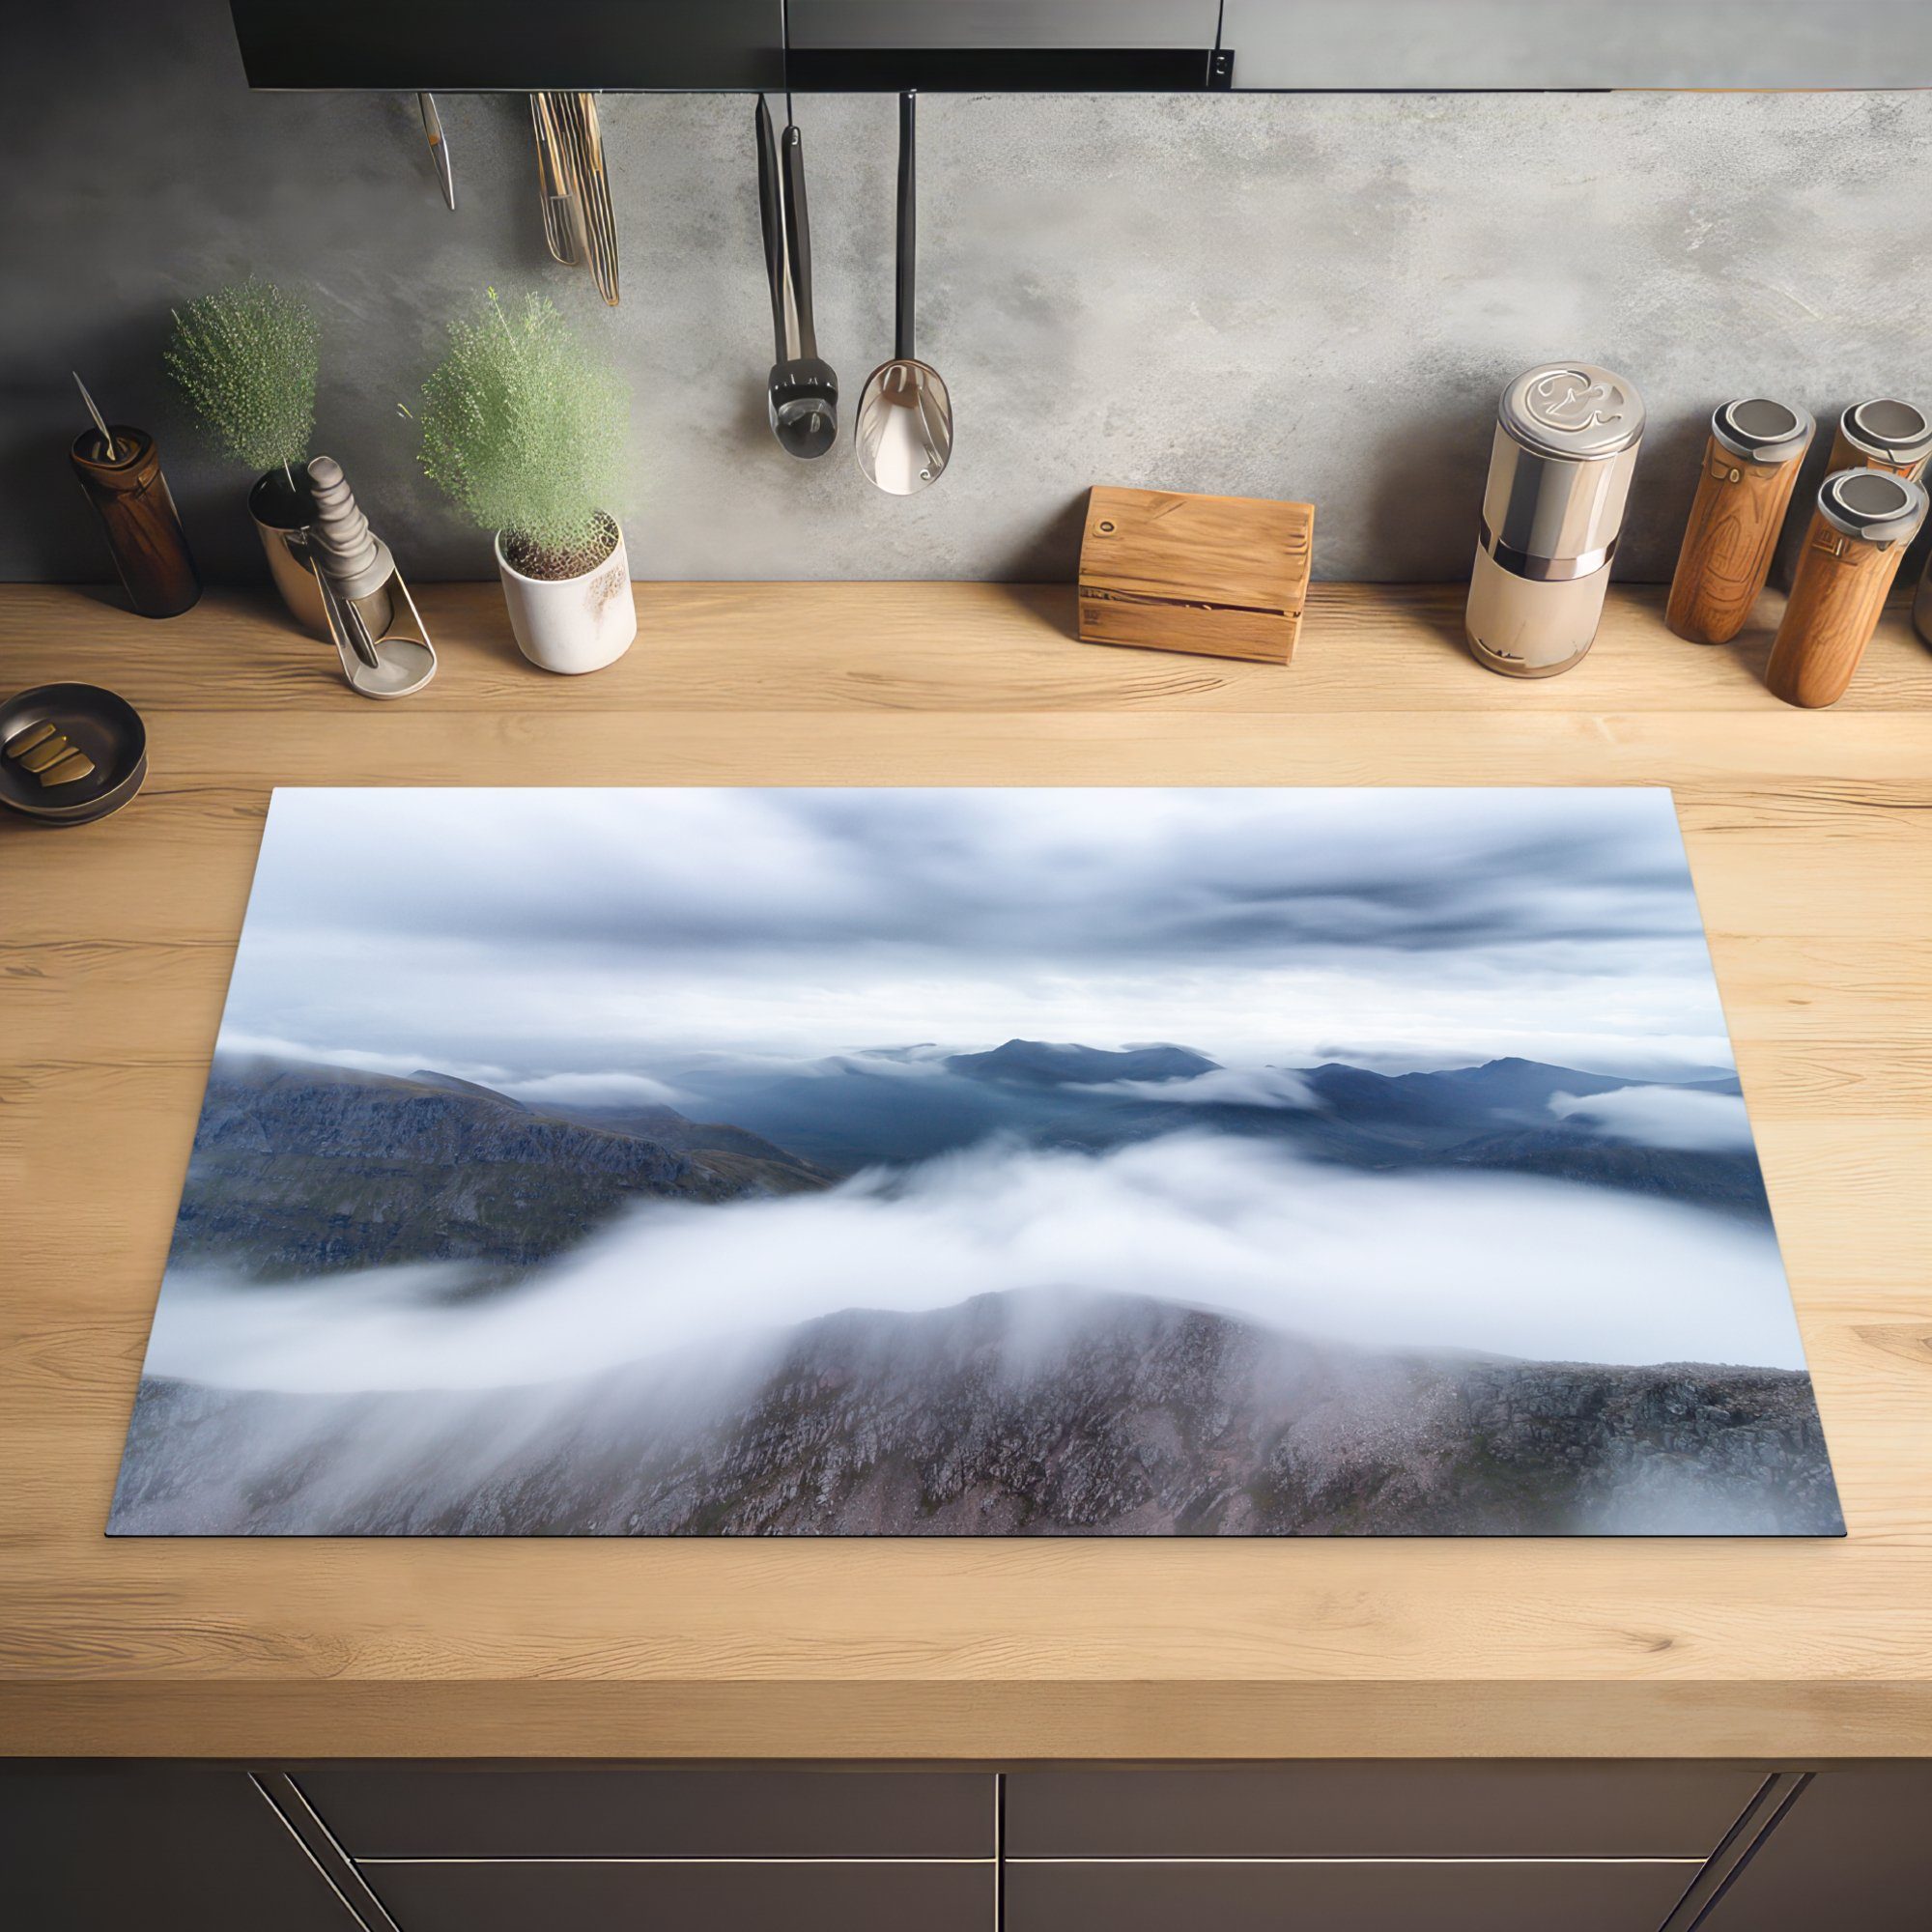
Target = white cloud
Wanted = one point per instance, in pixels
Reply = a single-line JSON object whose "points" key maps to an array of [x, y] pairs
{"points": [[1545, 1269], [269, 1046], [1661, 1117], [1221, 1086], [594, 1090], [577, 930]]}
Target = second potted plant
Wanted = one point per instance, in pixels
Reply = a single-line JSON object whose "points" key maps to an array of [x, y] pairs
{"points": [[525, 429]]}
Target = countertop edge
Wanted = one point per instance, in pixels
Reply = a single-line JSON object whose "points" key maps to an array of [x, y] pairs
{"points": [[1784, 1721]]}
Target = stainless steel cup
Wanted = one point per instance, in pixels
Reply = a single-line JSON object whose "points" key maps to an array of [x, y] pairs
{"points": [[284, 514], [1566, 443]]}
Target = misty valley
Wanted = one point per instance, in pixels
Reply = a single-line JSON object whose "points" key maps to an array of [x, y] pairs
{"points": [[1039, 1288]]}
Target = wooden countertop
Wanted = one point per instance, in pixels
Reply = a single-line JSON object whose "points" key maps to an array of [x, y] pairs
{"points": [[1810, 839]]}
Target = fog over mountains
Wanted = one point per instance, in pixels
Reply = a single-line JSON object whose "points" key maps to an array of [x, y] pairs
{"points": [[1008, 1414], [950, 1162], [1047, 1301]]}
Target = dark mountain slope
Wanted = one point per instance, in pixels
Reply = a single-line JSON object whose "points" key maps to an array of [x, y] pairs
{"points": [[1706, 1178], [846, 1115], [723, 1148], [305, 1170], [449, 1083], [1039, 1063], [1423, 1109]]}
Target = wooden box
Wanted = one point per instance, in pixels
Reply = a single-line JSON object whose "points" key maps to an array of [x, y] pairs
{"points": [[1225, 576]]}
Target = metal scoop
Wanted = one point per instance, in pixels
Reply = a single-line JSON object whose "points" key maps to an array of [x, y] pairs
{"points": [[903, 434]]}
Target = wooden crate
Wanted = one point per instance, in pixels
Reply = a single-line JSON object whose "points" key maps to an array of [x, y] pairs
{"points": [[1224, 576]]}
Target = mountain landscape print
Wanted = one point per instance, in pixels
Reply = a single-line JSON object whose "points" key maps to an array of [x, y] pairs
{"points": [[974, 1162]]}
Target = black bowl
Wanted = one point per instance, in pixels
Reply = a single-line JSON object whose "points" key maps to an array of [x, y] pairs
{"points": [[106, 727]]}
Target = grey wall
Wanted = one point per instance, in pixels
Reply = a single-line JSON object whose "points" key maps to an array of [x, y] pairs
{"points": [[1272, 294]]}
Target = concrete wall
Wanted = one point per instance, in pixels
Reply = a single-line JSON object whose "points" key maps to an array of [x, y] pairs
{"points": [[1270, 295]]}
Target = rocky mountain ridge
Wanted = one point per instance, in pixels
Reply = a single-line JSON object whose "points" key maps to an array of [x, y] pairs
{"points": [[301, 1170], [1029, 1414]]}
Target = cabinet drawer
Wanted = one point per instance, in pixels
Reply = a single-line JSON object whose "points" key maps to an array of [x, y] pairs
{"points": [[1524, 1896], [511, 1897], [105, 1848], [418, 1812], [1377, 1810]]}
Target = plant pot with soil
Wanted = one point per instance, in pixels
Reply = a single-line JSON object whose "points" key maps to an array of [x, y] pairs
{"points": [[245, 359], [525, 429]]}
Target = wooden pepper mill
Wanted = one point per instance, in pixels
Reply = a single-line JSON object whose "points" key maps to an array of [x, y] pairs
{"points": [[122, 476], [1882, 434], [1750, 468], [1864, 522]]}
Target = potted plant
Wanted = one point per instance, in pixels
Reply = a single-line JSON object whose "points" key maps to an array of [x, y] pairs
{"points": [[524, 428], [245, 359]]}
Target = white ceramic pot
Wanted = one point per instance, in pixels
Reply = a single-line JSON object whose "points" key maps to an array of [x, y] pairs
{"points": [[572, 623]]}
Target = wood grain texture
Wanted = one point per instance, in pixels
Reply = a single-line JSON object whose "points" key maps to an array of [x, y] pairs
{"points": [[1834, 606], [1811, 846], [1728, 543], [1218, 576]]}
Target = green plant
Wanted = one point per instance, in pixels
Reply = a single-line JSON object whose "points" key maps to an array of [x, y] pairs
{"points": [[524, 428], [245, 360]]}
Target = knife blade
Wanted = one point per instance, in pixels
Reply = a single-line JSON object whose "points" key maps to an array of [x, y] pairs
{"points": [[438, 148]]}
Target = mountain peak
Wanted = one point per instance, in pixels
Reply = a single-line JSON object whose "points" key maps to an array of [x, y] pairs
{"points": [[1042, 1062], [449, 1083]]}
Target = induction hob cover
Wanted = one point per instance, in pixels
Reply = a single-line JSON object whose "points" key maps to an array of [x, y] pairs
{"points": [[920, 1162]]}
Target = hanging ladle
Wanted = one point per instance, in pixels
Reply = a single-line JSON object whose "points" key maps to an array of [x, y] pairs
{"points": [[903, 434]]}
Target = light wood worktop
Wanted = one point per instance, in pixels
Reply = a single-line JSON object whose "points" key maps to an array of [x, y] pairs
{"points": [[1810, 839]]}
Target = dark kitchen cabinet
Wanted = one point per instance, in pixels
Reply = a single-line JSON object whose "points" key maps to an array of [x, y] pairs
{"points": [[757, 1898], [436, 1812], [1502, 1896], [1367, 1811], [484, 45], [1854, 1851], [1004, 45], [1369, 1847], [979, 24], [154, 1848]]}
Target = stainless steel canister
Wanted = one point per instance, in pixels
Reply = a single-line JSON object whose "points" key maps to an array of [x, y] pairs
{"points": [[1566, 443]]}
